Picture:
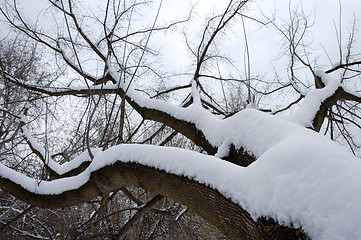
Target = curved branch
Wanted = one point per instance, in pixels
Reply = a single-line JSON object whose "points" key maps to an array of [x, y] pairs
{"points": [[339, 95], [188, 129], [220, 211], [81, 32], [143, 31], [289, 105], [224, 20], [173, 89]]}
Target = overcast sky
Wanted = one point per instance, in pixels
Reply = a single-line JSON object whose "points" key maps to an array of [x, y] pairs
{"points": [[264, 43]]}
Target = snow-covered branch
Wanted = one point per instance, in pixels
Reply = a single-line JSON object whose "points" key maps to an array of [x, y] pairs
{"points": [[55, 169], [298, 178], [313, 100]]}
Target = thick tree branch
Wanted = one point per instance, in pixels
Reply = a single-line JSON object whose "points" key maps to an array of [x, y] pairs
{"points": [[339, 95], [186, 128], [229, 217]]}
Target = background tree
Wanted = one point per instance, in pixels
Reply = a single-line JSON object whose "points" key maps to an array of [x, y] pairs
{"points": [[110, 76]]}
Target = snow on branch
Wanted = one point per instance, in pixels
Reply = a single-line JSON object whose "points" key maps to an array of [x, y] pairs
{"points": [[213, 129], [44, 155], [195, 94], [313, 100], [299, 178]]}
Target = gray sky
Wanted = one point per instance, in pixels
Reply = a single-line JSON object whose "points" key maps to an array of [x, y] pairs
{"points": [[264, 44]]}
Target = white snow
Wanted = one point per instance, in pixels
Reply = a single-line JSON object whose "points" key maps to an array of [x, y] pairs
{"points": [[300, 177], [44, 187], [180, 214], [223, 150], [56, 167], [74, 163], [313, 99], [195, 93]]}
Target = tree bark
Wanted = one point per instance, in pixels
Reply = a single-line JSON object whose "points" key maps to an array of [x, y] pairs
{"points": [[229, 217]]}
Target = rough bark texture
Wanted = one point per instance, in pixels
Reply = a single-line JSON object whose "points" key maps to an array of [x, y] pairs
{"points": [[239, 157], [325, 106], [229, 217], [340, 94]]}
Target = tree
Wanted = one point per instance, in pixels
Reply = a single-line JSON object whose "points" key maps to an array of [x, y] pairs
{"points": [[251, 176]]}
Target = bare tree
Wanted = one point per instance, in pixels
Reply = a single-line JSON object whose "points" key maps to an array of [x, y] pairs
{"points": [[106, 74]]}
